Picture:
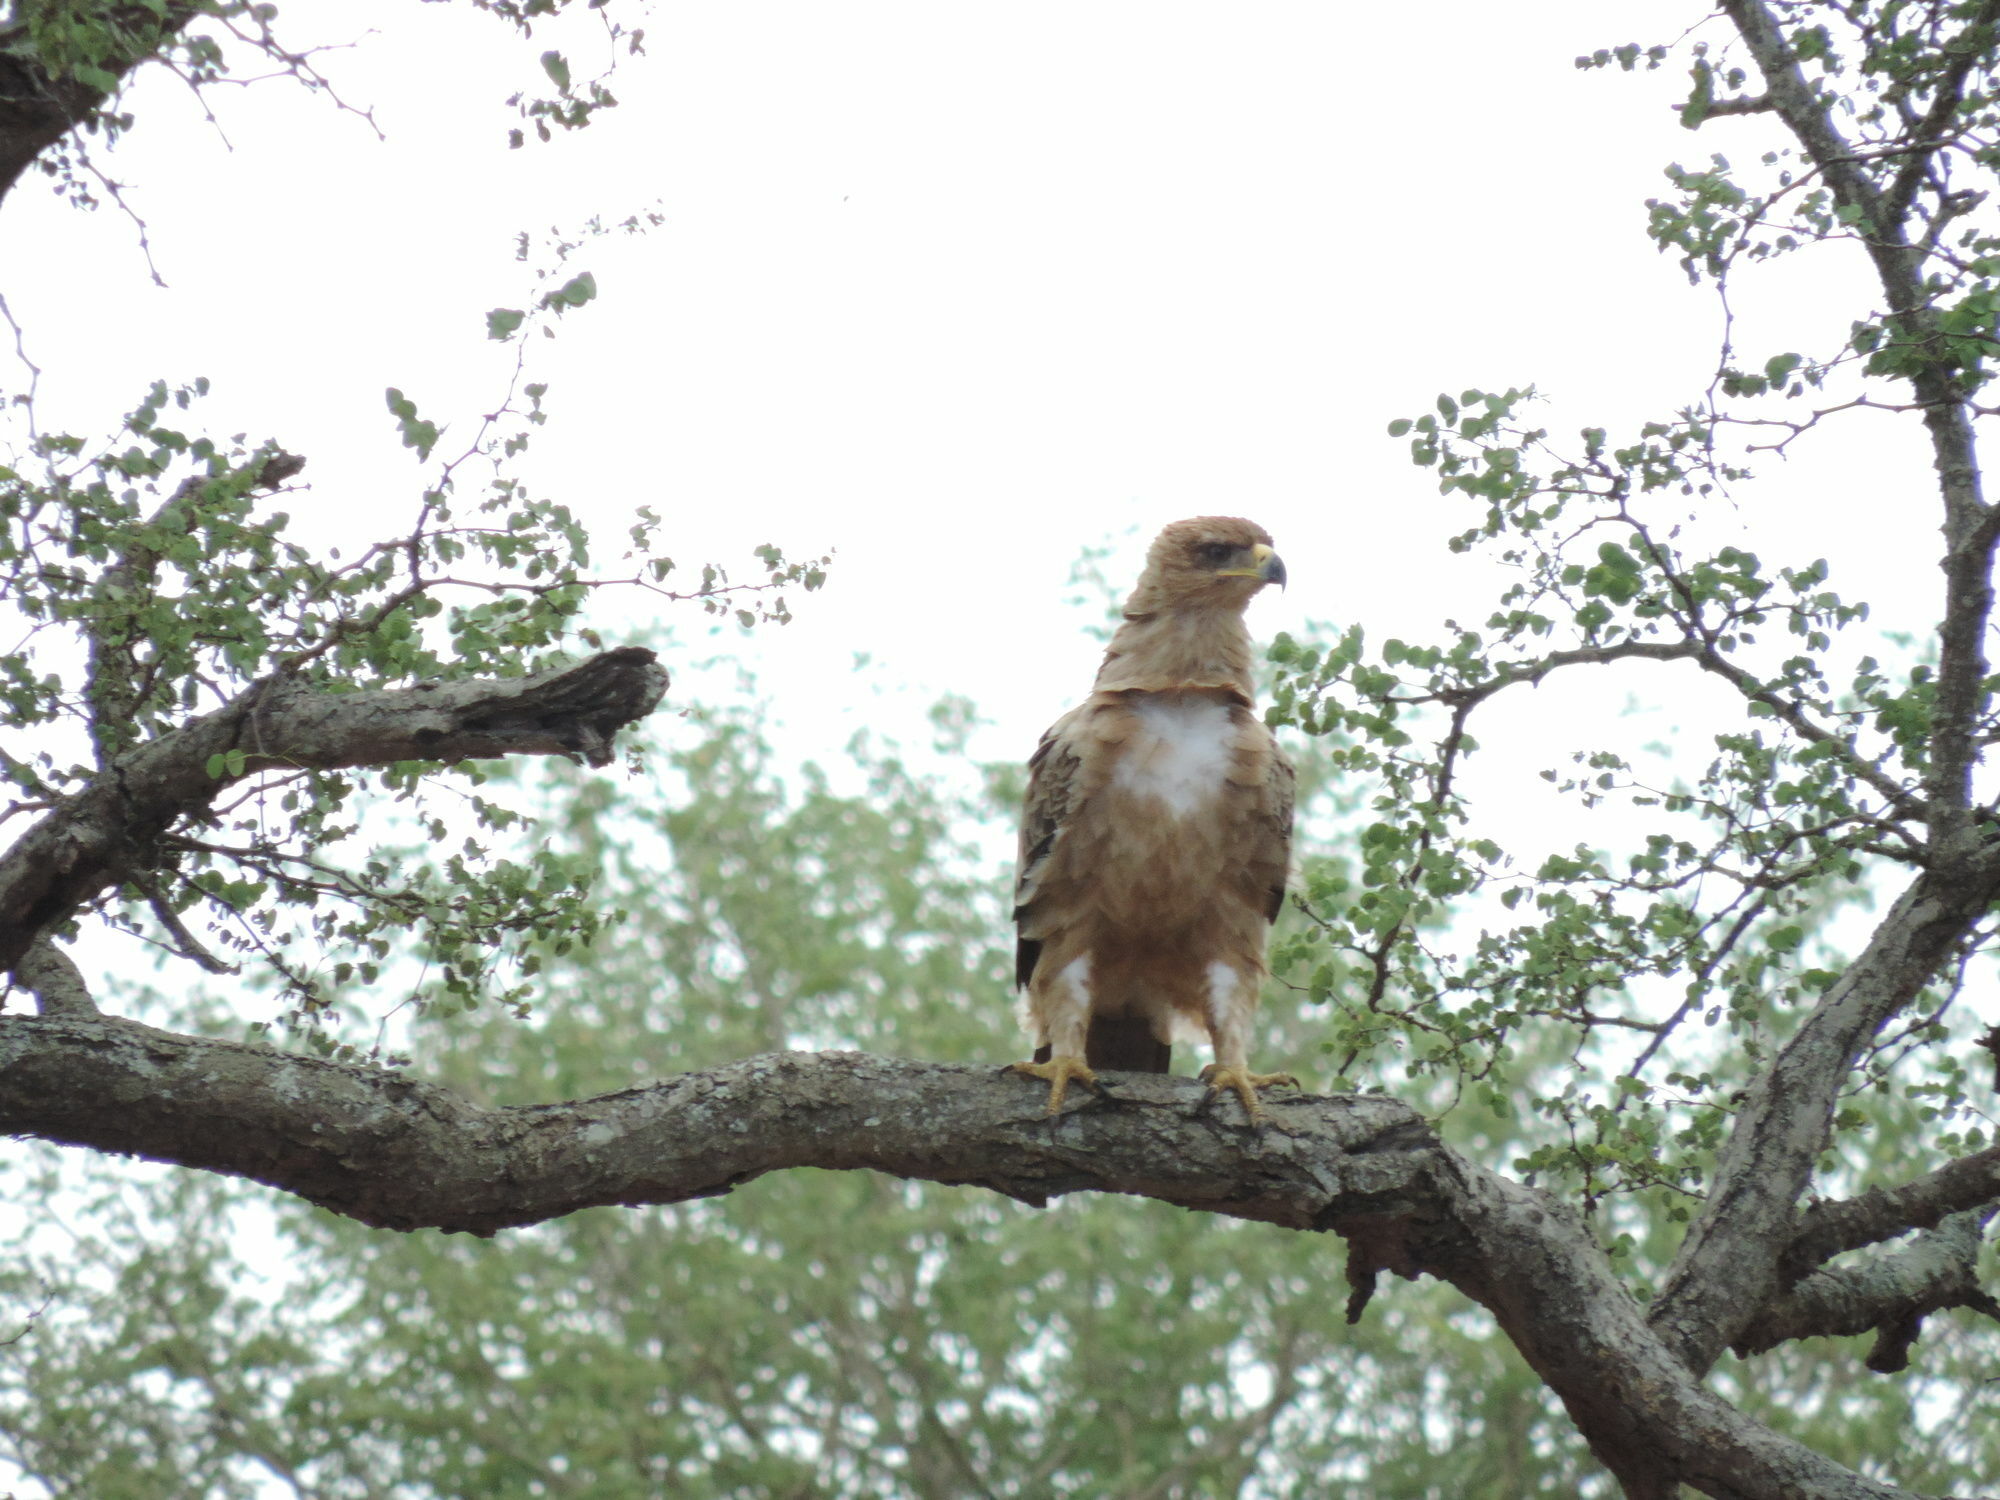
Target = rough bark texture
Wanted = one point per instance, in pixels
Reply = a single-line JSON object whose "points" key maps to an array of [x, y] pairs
{"points": [[81, 847], [1826, 1229], [1733, 1262], [1892, 1293], [393, 1151], [390, 1150]]}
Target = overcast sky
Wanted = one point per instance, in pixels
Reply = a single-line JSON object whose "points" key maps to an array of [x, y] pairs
{"points": [[954, 291]]}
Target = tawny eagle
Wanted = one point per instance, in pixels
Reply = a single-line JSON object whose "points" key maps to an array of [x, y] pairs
{"points": [[1157, 831]]}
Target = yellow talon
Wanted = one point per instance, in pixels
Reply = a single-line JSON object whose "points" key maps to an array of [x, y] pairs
{"points": [[1244, 1084], [1057, 1073]]}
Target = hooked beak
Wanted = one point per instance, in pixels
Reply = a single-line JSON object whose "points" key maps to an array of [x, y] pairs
{"points": [[1270, 568]]}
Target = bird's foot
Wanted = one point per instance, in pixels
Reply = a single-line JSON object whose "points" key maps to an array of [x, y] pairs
{"points": [[1057, 1072], [1244, 1084]]}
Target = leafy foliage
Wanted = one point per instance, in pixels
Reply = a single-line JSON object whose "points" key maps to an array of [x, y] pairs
{"points": [[84, 52], [832, 1334], [154, 579], [836, 1334], [1676, 958]]}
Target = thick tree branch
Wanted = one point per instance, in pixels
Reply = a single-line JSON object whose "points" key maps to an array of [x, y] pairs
{"points": [[36, 110], [84, 845], [1829, 1228], [1890, 1293], [394, 1151], [1651, 1422], [1730, 1266], [1803, 109], [398, 1153]]}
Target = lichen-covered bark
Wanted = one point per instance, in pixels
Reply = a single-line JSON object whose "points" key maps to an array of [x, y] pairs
{"points": [[1735, 1260], [1828, 1228], [1890, 1294], [391, 1150]]}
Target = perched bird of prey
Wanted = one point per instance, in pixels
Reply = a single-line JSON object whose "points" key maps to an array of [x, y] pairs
{"points": [[1157, 831]]}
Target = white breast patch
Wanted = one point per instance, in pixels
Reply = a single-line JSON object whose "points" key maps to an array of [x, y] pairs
{"points": [[1180, 752]]}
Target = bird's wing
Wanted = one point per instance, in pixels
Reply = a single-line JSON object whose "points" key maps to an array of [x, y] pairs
{"points": [[1272, 857], [1054, 788]]}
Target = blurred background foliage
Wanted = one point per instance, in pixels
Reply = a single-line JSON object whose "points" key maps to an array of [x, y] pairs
{"points": [[810, 1334]]}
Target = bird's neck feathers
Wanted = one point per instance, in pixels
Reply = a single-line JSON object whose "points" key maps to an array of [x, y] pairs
{"points": [[1162, 650]]}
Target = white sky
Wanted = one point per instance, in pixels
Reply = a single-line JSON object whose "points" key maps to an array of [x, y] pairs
{"points": [[956, 290]]}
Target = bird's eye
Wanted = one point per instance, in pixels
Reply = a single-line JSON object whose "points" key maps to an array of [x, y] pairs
{"points": [[1215, 554]]}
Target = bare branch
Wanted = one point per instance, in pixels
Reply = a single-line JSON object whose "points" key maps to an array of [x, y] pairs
{"points": [[28, 1323], [394, 1151], [47, 973], [91, 840], [1890, 1293], [185, 944], [1697, 984], [1710, 659], [1534, 671], [1747, 104], [1827, 1229]]}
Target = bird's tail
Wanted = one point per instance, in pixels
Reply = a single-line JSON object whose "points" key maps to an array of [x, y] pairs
{"points": [[1122, 1044]]}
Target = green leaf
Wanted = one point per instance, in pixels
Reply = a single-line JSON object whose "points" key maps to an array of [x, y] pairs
{"points": [[575, 292]]}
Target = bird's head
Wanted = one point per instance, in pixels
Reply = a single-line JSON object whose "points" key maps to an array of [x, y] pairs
{"points": [[1208, 562]]}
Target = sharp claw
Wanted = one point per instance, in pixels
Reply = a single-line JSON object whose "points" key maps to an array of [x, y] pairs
{"points": [[1057, 1072], [1244, 1084]]}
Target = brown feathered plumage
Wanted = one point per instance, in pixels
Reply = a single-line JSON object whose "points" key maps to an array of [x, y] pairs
{"points": [[1157, 831]]}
